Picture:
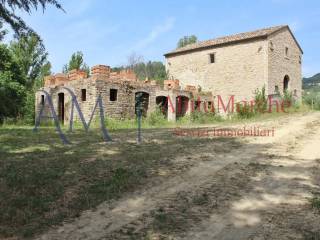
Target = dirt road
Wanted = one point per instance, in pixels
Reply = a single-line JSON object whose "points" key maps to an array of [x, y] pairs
{"points": [[243, 188]]}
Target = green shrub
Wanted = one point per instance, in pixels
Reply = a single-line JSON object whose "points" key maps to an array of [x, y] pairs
{"points": [[312, 99], [244, 111], [115, 124], [156, 118], [200, 118], [315, 203], [287, 97], [260, 100], [29, 109]]}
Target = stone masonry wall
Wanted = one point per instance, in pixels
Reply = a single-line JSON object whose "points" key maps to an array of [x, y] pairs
{"points": [[76, 86], [239, 69], [123, 107], [281, 65]]}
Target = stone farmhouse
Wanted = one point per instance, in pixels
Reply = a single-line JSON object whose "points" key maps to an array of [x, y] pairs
{"points": [[198, 73], [239, 64]]}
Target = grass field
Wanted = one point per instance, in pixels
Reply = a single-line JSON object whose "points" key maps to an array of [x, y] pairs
{"points": [[43, 182]]}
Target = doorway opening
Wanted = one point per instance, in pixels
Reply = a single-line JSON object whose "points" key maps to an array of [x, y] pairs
{"points": [[182, 104], [61, 107], [142, 103], [162, 103], [286, 83]]}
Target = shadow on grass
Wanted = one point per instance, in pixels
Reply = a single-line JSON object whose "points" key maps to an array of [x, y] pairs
{"points": [[43, 182]]}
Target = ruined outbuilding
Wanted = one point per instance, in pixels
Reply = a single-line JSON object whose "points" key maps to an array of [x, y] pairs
{"points": [[120, 92]]}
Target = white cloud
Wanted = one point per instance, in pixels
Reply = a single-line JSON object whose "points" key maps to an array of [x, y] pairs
{"points": [[157, 31]]}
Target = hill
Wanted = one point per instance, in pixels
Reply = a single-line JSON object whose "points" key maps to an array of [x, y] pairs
{"points": [[311, 82]]}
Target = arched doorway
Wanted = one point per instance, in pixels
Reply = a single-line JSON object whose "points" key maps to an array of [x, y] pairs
{"points": [[286, 83], [142, 103], [162, 103], [61, 107], [182, 104]]}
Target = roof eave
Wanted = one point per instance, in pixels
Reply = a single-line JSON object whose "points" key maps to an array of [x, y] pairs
{"points": [[170, 54]]}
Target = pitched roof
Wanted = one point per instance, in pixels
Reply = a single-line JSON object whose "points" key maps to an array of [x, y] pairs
{"points": [[261, 33]]}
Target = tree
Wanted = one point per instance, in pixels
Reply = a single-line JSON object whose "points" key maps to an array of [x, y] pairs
{"points": [[2, 32], [76, 62], [133, 59], [12, 89], [151, 69], [8, 12], [186, 40], [31, 56], [44, 71], [28, 106]]}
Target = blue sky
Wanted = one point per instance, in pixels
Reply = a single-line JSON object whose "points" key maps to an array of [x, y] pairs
{"points": [[108, 31]]}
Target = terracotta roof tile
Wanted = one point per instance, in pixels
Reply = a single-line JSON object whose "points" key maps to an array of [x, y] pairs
{"points": [[228, 39]]}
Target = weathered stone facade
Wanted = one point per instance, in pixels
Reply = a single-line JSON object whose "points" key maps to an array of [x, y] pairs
{"points": [[239, 64], [119, 92], [282, 64]]}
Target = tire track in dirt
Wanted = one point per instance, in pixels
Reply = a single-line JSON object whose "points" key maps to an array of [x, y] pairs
{"points": [[278, 206], [187, 208]]}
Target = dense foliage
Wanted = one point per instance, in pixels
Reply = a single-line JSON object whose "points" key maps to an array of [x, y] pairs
{"points": [[151, 70], [12, 85], [23, 66], [312, 99], [31, 56]]}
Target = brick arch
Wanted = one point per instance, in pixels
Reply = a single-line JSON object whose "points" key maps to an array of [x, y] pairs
{"points": [[184, 94]]}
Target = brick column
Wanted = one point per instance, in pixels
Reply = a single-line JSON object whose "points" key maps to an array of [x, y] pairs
{"points": [[171, 106]]}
